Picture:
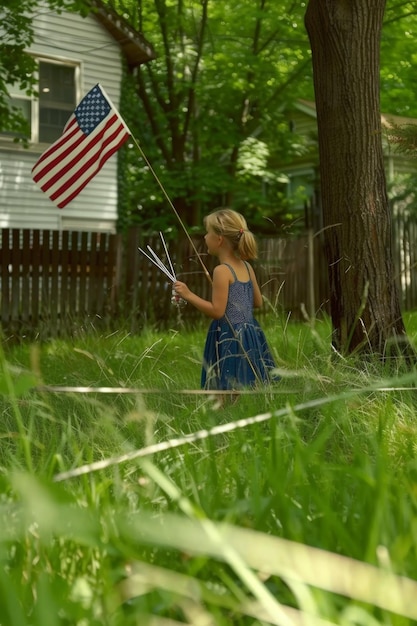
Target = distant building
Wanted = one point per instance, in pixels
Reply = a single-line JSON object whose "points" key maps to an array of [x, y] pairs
{"points": [[303, 173]]}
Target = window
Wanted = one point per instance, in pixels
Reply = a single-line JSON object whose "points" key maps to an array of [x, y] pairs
{"points": [[57, 99], [58, 91]]}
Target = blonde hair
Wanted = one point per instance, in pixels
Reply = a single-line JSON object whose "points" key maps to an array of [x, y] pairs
{"points": [[233, 227]]}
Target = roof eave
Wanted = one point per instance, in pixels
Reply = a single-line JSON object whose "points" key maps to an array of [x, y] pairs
{"points": [[132, 43]]}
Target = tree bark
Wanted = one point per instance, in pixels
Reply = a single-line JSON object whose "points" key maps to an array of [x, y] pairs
{"points": [[345, 40]]}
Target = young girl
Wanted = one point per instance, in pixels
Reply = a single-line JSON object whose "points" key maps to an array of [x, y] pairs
{"points": [[236, 353]]}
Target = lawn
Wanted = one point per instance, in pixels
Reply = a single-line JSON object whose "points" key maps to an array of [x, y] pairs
{"points": [[129, 499]]}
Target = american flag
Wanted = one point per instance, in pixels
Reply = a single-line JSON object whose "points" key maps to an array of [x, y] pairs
{"points": [[92, 134]]}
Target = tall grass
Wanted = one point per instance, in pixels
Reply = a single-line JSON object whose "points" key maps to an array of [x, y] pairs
{"points": [[295, 504]]}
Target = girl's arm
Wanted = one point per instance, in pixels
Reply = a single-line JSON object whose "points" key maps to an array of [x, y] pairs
{"points": [[220, 292], [257, 295]]}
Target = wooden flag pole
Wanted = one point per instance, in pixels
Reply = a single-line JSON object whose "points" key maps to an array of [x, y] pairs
{"points": [[206, 272]]}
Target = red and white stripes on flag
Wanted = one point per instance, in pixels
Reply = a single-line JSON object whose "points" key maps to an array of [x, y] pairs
{"points": [[93, 133]]}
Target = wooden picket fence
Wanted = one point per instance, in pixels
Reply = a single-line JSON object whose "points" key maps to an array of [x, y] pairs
{"points": [[405, 257], [56, 283]]}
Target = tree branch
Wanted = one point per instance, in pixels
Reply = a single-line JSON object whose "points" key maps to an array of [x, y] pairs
{"points": [[399, 17], [156, 132], [190, 108]]}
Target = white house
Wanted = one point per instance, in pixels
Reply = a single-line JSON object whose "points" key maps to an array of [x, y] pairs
{"points": [[73, 54], [303, 172]]}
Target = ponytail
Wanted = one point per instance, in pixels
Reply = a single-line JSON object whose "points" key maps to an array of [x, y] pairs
{"points": [[232, 225]]}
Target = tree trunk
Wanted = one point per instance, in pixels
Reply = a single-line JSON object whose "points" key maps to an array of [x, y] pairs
{"points": [[345, 40]]}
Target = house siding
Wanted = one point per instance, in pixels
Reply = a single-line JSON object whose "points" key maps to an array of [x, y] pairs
{"points": [[65, 37], [302, 124]]}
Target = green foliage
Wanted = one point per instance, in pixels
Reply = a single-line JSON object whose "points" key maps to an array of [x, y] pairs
{"points": [[15, 65], [403, 138], [208, 103], [399, 59]]}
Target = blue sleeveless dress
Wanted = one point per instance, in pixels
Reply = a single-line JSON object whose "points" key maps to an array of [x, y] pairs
{"points": [[236, 353]]}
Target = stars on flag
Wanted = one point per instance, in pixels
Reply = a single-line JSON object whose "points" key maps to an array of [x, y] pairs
{"points": [[92, 110]]}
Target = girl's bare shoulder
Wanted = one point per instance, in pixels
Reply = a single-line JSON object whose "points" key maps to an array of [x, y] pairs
{"points": [[221, 269], [222, 272]]}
